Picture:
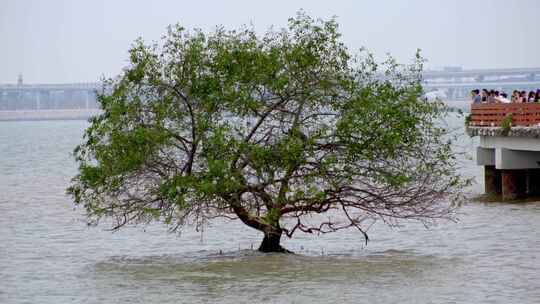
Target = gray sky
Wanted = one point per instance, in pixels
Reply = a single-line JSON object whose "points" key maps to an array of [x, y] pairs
{"points": [[56, 41]]}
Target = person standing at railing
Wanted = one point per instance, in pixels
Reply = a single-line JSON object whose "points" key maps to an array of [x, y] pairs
{"points": [[532, 96], [491, 97], [537, 98], [515, 96], [475, 96], [524, 97], [484, 95], [502, 98], [497, 96], [519, 98]]}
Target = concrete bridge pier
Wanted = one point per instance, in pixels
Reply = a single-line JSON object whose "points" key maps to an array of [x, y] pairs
{"points": [[38, 101], [533, 182], [514, 184], [67, 99], [13, 100], [92, 99], [512, 173], [44, 100], [492, 180], [55, 96], [86, 100], [3, 101]]}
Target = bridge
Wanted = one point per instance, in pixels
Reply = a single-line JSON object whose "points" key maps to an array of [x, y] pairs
{"points": [[457, 72], [448, 84], [509, 147], [456, 84], [21, 96]]}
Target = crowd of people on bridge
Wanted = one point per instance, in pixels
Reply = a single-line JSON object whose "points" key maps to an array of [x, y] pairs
{"points": [[493, 96]]}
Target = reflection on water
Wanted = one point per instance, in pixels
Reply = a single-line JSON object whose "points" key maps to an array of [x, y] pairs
{"points": [[48, 254]]}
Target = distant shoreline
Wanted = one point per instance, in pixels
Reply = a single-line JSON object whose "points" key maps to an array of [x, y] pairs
{"points": [[37, 115]]}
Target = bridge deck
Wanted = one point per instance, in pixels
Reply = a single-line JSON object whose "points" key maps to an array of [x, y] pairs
{"points": [[50, 87]]}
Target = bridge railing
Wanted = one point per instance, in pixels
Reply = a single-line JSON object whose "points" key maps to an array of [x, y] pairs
{"points": [[492, 114]]}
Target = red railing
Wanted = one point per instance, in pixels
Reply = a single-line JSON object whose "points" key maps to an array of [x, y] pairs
{"points": [[492, 114]]}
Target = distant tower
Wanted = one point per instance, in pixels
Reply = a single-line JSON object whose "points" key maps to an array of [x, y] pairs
{"points": [[20, 80]]}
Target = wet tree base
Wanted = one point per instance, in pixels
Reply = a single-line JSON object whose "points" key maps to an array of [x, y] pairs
{"points": [[280, 249], [272, 244]]}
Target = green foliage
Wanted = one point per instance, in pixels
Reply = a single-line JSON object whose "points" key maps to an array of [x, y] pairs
{"points": [[205, 125], [506, 124], [468, 120]]}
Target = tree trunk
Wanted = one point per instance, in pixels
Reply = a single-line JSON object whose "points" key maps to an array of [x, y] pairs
{"points": [[272, 233], [271, 241]]}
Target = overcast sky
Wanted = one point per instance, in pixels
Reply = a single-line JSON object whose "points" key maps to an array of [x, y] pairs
{"points": [[57, 41]]}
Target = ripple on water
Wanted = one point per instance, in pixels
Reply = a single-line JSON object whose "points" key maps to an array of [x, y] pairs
{"points": [[48, 255], [249, 266]]}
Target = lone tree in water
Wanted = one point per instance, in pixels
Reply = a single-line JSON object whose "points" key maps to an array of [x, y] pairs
{"points": [[269, 130]]}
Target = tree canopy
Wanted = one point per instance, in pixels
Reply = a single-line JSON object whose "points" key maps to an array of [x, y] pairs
{"points": [[268, 129]]}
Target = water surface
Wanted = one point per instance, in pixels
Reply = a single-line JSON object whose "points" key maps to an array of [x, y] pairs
{"points": [[49, 255]]}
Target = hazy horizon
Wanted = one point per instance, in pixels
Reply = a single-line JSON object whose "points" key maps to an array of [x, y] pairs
{"points": [[79, 41]]}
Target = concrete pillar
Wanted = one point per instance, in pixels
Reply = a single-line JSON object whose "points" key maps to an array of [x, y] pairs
{"points": [[12, 100], [45, 100], [70, 101], [93, 103], [492, 180], [27, 101], [86, 100], [55, 96], [38, 100], [79, 99], [67, 98], [3, 103], [514, 184], [533, 182]]}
